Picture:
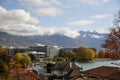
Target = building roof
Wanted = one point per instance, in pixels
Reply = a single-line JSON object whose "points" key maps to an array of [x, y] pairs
{"points": [[72, 69], [74, 73], [63, 65], [105, 71]]}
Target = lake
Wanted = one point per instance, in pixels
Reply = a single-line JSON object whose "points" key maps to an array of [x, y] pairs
{"points": [[90, 65], [87, 66]]}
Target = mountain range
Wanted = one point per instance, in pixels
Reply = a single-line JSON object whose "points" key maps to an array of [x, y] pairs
{"points": [[86, 38]]}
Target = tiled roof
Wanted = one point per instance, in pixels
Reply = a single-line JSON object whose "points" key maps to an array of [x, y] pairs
{"points": [[71, 67], [115, 76], [65, 65], [73, 73], [105, 71], [60, 65]]}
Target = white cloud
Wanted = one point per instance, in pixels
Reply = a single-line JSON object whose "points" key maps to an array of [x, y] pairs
{"points": [[39, 3], [81, 23], [56, 2], [43, 7], [105, 0], [30, 30], [67, 32], [101, 30], [51, 11], [100, 16], [19, 22], [93, 2], [16, 16]]}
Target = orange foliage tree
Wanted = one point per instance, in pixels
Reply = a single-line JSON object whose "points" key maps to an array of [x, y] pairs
{"points": [[69, 55], [112, 42]]}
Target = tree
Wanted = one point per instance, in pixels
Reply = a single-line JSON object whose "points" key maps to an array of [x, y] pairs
{"points": [[94, 49], [57, 58], [80, 52], [69, 55], [84, 54], [4, 63], [33, 58], [101, 54], [91, 54], [112, 42], [22, 60], [3, 70], [26, 60]]}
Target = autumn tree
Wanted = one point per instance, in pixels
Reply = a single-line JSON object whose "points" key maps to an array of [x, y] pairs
{"points": [[22, 60], [91, 54], [101, 54], [4, 63], [84, 54], [112, 42], [69, 55]]}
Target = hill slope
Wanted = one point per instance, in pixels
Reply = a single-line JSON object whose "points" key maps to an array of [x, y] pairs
{"points": [[87, 39]]}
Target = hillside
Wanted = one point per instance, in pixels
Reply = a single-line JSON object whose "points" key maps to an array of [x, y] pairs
{"points": [[87, 39]]}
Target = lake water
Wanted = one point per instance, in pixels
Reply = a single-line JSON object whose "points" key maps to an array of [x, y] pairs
{"points": [[87, 66]]}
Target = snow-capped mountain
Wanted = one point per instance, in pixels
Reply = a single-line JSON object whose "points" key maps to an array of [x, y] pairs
{"points": [[86, 38], [91, 39]]}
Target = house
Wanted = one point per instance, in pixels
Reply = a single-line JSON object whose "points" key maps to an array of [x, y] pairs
{"points": [[66, 70], [61, 70], [103, 73]]}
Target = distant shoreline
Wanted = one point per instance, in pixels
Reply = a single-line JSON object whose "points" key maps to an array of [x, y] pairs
{"points": [[102, 59], [97, 60]]}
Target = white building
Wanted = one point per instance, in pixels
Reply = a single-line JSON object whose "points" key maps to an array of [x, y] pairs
{"points": [[52, 50]]}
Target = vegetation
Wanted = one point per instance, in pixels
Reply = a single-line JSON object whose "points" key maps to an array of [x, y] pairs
{"points": [[22, 60], [101, 54], [4, 63], [69, 56], [112, 42], [9, 68], [57, 58], [84, 54], [32, 57]]}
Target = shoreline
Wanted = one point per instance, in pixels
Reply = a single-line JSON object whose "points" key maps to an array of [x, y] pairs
{"points": [[98, 60]]}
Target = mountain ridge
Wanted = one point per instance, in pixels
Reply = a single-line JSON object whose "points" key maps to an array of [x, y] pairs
{"points": [[86, 38]]}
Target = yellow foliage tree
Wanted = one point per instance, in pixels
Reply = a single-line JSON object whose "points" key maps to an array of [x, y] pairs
{"points": [[101, 54], [22, 60], [91, 54], [17, 57], [84, 54]]}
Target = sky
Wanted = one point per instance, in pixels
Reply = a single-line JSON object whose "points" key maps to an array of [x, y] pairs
{"points": [[63, 17]]}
